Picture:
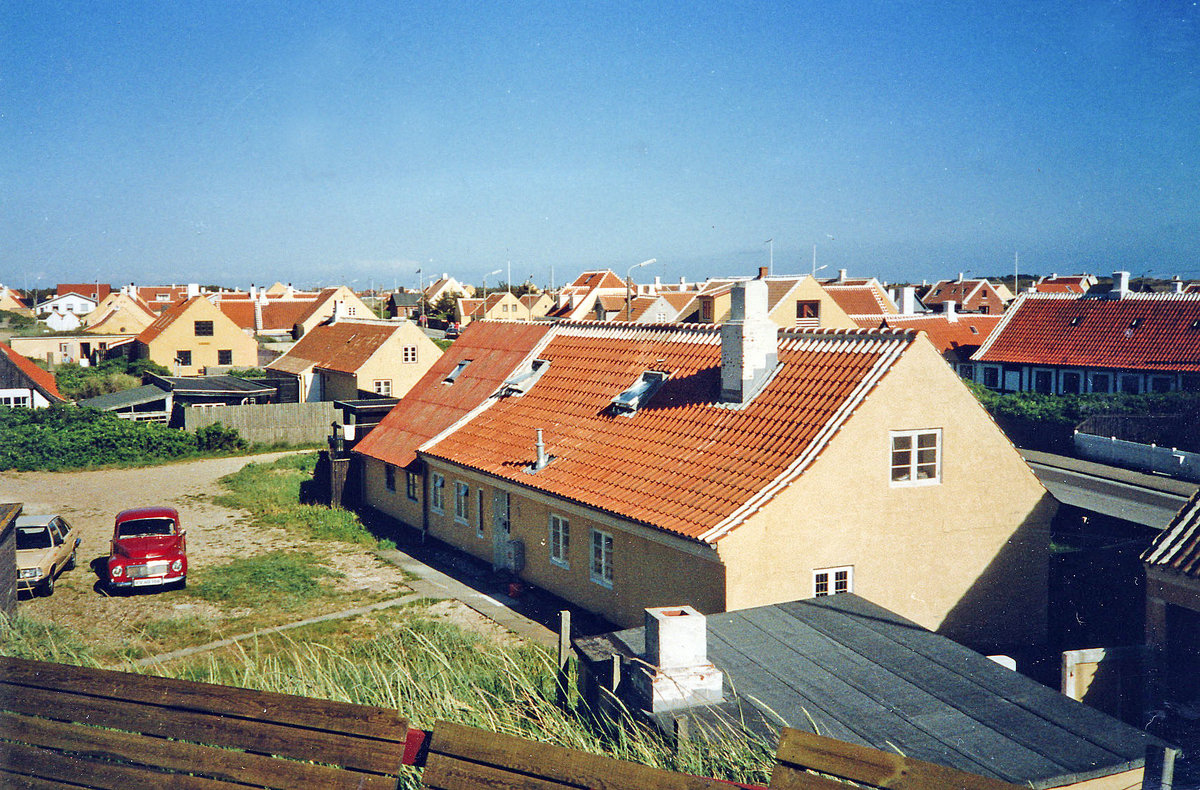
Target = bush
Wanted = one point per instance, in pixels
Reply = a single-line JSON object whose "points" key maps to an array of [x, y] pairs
{"points": [[219, 438], [1070, 410], [112, 375]]}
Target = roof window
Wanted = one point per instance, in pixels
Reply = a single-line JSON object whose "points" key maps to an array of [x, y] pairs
{"points": [[1135, 323], [1075, 321], [1196, 324], [458, 369], [640, 392], [523, 379], [974, 331]]}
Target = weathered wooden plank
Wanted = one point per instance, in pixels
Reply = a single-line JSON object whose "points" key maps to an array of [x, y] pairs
{"points": [[217, 730], [567, 767], [869, 766], [285, 709], [12, 781], [178, 756], [96, 774], [449, 773]]}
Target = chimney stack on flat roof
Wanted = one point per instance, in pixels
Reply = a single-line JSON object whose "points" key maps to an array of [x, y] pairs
{"points": [[1120, 287], [679, 674]]}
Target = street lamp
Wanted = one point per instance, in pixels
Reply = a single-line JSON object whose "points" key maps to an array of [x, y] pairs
{"points": [[629, 287]]}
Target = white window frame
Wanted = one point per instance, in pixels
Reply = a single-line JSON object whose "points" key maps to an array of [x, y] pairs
{"points": [[437, 493], [914, 437], [601, 563], [383, 387], [462, 502], [560, 540], [409, 355], [833, 581]]}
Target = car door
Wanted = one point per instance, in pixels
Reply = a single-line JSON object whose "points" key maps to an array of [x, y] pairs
{"points": [[57, 553]]}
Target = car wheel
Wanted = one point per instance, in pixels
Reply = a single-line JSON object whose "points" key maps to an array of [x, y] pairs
{"points": [[47, 588], [70, 566]]}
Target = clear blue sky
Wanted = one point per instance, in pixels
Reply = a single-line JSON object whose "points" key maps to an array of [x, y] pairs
{"points": [[321, 142]]}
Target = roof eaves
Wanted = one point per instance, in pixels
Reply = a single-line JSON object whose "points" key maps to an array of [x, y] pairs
{"points": [[902, 342]]}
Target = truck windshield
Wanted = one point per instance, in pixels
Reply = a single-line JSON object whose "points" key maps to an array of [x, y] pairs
{"points": [[140, 527]]}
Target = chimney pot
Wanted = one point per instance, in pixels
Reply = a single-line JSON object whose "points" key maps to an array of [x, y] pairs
{"points": [[763, 271], [1120, 285], [841, 275]]}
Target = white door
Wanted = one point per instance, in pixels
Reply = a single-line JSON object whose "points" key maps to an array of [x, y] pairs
{"points": [[501, 527]]}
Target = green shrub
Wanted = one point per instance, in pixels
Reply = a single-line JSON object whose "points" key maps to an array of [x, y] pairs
{"points": [[112, 375], [1064, 410], [219, 438]]}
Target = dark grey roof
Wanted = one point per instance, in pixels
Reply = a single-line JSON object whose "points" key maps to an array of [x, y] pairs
{"points": [[217, 385], [125, 398], [848, 669]]}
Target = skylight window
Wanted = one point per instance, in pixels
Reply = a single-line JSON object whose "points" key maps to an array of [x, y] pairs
{"points": [[458, 369], [1135, 323], [524, 379], [1196, 324], [1075, 321], [639, 393]]}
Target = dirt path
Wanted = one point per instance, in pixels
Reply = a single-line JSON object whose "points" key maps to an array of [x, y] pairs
{"points": [[215, 534]]}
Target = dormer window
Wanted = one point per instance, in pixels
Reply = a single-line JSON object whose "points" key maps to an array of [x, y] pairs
{"points": [[640, 393], [458, 369], [524, 379]]}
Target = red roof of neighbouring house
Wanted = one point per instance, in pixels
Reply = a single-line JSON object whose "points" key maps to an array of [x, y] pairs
{"points": [[1177, 548], [967, 332], [42, 380], [494, 348], [604, 278], [860, 298], [278, 315], [165, 319], [683, 463], [1136, 332], [1077, 284], [93, 291], [344, 346]]}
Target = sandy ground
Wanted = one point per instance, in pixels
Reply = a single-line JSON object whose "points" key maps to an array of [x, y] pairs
{"points": [[215, 535]]}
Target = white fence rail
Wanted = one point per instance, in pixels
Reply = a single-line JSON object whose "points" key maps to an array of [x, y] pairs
{"points": [[1145, 457]]}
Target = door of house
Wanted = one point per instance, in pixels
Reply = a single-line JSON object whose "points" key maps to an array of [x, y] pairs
{"points": [[501, 528]]}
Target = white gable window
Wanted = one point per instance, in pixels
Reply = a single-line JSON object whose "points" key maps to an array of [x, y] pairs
{"points": [[916, 457], [383, 386], [602, 558], [831, 581], [437, 495], [409, 354], [560, 540]]}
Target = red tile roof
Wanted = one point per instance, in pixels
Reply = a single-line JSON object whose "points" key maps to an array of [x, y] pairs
{"points": [[968, 331], [41, 379], [278, 315], [495, 349], [344, 346], [682, 463], [94, 291], [165, 319], [1137, 332], [604, 278], [860, 299], [1177, 548]]}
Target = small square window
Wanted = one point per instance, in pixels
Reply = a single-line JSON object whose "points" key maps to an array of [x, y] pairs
{"points": [[991, 377], [409, 354], [204, 328], [224, 356], [183, 357], [916, 457], [833, 581], [383, 386]]}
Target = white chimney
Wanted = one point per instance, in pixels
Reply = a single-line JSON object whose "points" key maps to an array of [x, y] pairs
{"points": [[908, 300], [1120, 287], [193, 289], [252, 291], [960, 277], [657, 283], [749, 343], [679, 674], [951, 313], [338, 311], [841, 275], [1176, 285], [258, 316]]}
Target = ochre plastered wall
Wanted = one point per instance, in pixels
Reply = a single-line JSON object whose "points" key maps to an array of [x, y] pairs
{"points": [[181, 335], [967, 557]]}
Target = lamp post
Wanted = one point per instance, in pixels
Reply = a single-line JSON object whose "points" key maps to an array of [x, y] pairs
{"points": [[629, 287], [771, 255]]}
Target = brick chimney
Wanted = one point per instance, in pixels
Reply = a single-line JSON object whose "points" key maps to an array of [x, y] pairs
{"points": [[749, 343]]}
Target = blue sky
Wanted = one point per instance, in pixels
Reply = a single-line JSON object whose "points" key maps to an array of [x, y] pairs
{"points": [[313, 143]]}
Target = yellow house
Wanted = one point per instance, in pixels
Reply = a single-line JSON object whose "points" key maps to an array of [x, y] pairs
{"points": [[791, 302], [193, 336], [496, 307], [624, 467], [337, 361], [119, 314]]}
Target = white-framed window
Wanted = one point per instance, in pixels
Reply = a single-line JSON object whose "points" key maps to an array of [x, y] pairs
{"points": [[602, 558], [409, 354], [916, 457], [14, 400], [462, 502], [437, 493], [831, 581], [560, 541], [389, 477], [383, 386], [411, 480]]}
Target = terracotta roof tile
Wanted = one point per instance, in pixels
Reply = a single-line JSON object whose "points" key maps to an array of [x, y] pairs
{"points": [[682, 463], [968, 331], [860, 299], [1137, 332], [344, 346], [42, 379], [495, 349], [1177, 548]]}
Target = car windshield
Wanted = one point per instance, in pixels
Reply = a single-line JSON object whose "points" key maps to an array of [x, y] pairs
{"points": [[140, 527], [33, 538]]}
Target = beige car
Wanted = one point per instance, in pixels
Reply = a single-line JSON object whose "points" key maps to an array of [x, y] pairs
{"points": [[46, 547]]}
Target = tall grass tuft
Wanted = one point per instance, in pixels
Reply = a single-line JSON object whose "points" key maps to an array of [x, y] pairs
{"points": [[21, 637]]}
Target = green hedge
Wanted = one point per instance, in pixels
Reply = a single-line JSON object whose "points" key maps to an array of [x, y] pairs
{"points": [[69, 437], [1062, 410]]}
